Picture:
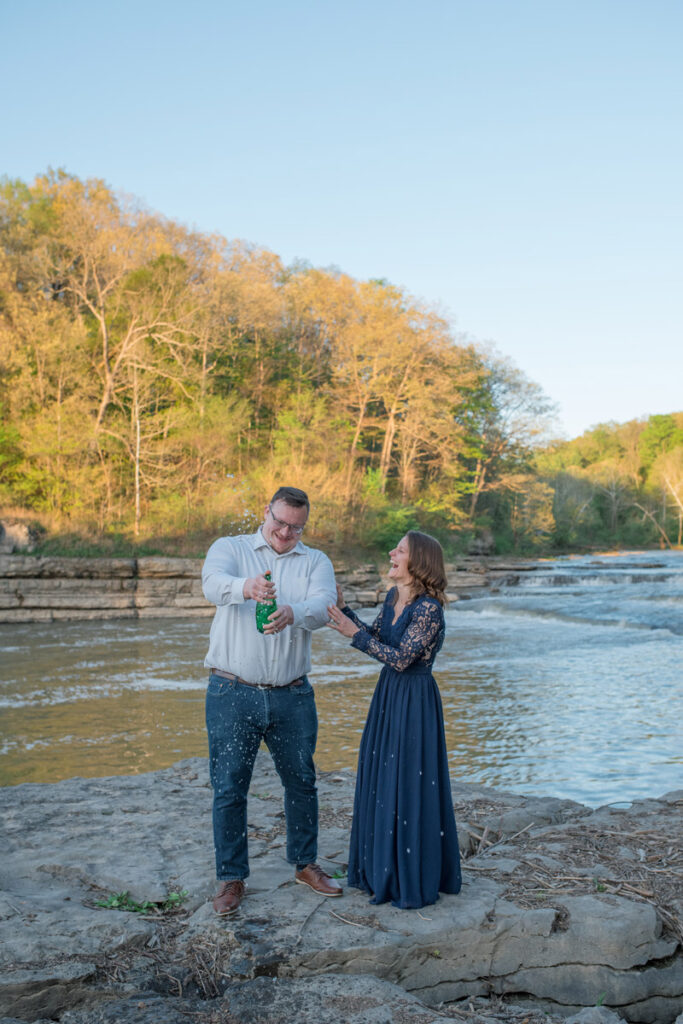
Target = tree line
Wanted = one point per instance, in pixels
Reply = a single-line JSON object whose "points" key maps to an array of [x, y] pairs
{"points": [[618, 484], [157, 381]]}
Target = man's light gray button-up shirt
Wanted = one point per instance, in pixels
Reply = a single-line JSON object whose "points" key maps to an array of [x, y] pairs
{"points": [[303, 578]]}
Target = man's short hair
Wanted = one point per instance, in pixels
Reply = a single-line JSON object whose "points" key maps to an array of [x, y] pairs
{"points": [[291, 496]]}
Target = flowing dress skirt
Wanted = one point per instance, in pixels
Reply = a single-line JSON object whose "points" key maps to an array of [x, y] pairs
{"points": [[404, 844]]}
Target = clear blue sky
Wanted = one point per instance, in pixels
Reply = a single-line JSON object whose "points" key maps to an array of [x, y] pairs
{"points": [[518, 163]]}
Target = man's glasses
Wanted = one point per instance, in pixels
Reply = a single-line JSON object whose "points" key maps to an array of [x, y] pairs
{"points": [[296, 530]]}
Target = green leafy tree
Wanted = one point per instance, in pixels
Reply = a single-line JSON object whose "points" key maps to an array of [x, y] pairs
{"points": [[507, 415], [661, 435]]}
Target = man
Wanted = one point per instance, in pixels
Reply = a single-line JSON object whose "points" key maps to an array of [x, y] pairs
{"points": [[258, 688]]}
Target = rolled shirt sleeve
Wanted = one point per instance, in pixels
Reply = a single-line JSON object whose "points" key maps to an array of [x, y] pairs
{"points": [[220, 580]]}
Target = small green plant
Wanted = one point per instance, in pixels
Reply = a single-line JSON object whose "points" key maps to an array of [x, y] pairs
{"points": [[339, 874], [123, 901], [601, 999], [436, 953], [174, 901], [599, 887]]}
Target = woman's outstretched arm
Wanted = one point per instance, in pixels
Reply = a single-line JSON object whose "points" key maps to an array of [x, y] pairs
{"points": [[417, 640]]}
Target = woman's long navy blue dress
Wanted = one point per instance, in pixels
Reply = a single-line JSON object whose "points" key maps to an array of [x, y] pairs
{"points": [[404, 844]]}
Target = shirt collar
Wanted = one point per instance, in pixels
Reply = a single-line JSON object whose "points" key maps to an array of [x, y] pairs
{"points": [[259, 541]]}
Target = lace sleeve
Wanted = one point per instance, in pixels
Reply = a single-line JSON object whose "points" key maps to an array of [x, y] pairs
{"points": [[417, 641], [372, 629]]}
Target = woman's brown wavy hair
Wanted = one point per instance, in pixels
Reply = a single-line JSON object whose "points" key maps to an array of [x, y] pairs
{"points": [[426, 566]]}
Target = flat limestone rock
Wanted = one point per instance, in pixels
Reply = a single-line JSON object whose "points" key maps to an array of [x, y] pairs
{"points": [[43, 589], [158, 566], [536, 920], [594, 1015], [23, 993], [330, 999]]}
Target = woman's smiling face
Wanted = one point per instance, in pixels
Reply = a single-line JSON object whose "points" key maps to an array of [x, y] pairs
{"points": [[400, 557]]}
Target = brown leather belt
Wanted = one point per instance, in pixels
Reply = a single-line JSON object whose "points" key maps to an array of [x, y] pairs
{"points": [[258, 686]]}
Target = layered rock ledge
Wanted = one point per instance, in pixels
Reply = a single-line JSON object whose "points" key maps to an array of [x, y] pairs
{"points": [[563, 908], [39, 589]]}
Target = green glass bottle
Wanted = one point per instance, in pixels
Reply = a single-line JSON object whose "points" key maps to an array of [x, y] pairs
{"points": [[264, 609]]}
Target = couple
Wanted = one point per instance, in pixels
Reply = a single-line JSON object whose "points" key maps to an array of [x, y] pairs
{"points": [[404, 844]]}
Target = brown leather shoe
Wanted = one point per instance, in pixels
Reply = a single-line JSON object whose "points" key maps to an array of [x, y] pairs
{"points": [[314, 877], [228, 898]]}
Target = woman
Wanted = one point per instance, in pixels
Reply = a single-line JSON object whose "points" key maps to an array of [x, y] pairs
{"points": [[404, 845]]}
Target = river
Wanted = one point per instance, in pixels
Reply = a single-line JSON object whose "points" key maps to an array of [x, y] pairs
{"points": [[568, 683]]}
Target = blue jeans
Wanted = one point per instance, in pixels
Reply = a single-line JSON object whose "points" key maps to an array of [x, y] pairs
{"points": [[238, 717]]}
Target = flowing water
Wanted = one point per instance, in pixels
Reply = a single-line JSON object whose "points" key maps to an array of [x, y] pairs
{"points": [[568, 684]]}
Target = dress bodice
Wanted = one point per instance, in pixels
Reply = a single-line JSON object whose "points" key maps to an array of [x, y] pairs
{"points": [[411, 643]]}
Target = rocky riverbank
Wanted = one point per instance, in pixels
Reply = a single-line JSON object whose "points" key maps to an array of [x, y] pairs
{"points": [[39, 589], [563, 908]]}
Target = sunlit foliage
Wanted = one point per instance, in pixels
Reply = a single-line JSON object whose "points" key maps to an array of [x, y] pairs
{"points": [[158, 381]]}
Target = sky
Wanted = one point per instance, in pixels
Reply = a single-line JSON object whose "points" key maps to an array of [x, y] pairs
{"points": [[517, 164]]}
